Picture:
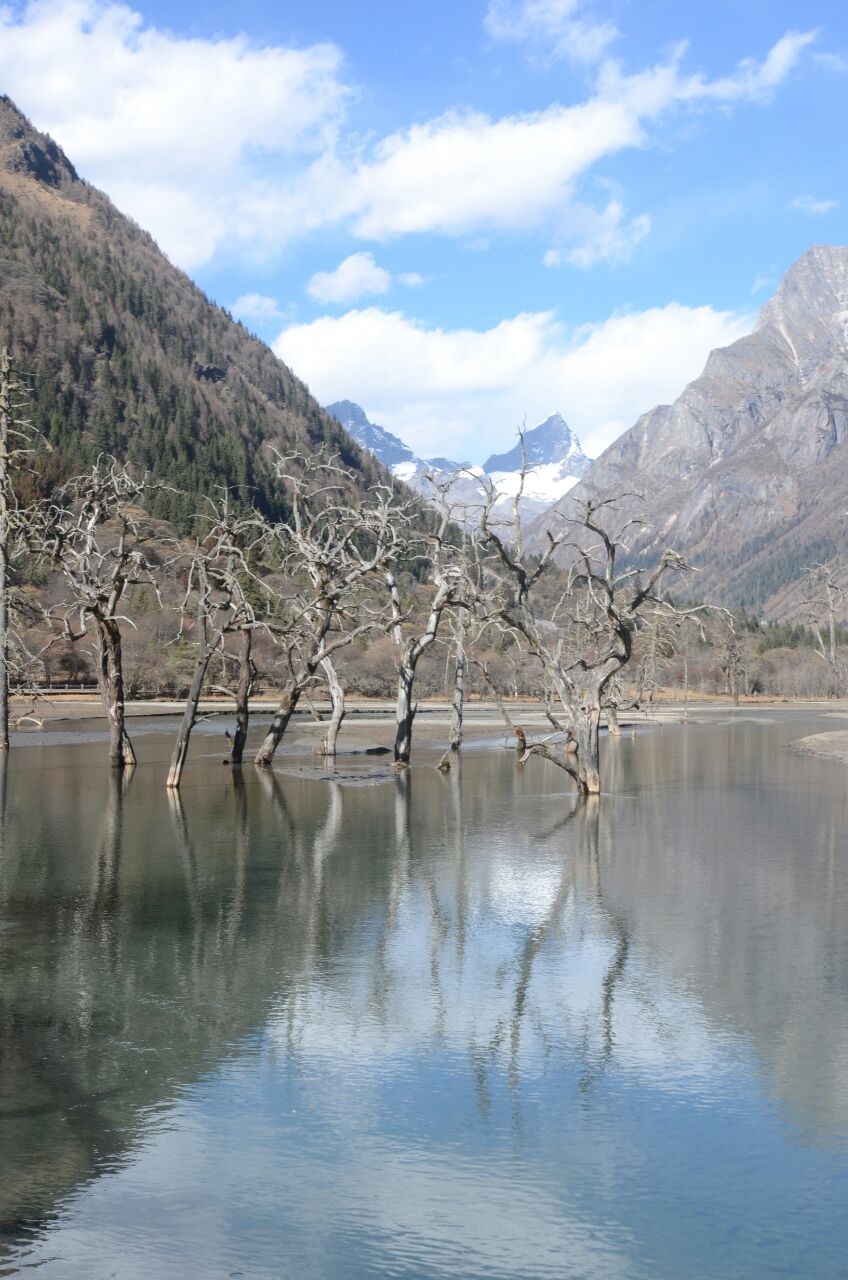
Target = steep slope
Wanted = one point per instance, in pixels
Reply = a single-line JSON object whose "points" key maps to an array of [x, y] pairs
{"points": [[388, 449], [125, 353], [552, 441], [554, 457], [746, 472]]}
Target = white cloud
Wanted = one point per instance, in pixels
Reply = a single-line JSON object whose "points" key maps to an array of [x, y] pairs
{"points": [[463, 173], [220, 142], [256, 306], [757, 81], [832, 61], [170, 126], [649, 93], [551, 29], [809, 204], [461, 392], [599, 236], [357, 277]]}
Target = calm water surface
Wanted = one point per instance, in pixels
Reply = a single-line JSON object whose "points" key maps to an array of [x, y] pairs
{"points": [[437, 1027]]}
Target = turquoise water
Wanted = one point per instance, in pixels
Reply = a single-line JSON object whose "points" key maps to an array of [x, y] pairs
{"points": [[440, 1026]]}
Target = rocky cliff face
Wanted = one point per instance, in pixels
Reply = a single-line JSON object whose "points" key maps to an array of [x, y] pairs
{"points": [[746, 472], [387, 448], [32, 154]]}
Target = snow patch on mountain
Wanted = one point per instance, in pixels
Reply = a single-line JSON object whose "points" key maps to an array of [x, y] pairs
{"points": [[555, 462], [546, 483]]}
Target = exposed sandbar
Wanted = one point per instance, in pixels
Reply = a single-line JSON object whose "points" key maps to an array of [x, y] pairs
{"points": [[828, 746]]}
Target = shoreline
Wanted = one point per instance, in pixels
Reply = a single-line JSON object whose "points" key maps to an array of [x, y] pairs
{"points": [[825, 746], [369, 726], [70, 707]]}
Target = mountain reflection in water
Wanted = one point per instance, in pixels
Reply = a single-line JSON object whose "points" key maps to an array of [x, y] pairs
{"points": [[442, 1026]]}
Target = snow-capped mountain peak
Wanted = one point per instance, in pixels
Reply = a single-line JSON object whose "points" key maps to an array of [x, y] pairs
{"points": [[555, 461], [388, 449], [552, 441]]}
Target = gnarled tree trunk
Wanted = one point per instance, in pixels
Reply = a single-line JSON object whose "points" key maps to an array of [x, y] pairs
{"points": [[284, 713], [588, 759], [612, 720], [409, 654], [245, 683], [178, 756], [110, 677], [405, 714], [458, 695], [337, 696]]}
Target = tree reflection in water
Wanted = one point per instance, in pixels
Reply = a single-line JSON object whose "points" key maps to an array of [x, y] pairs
{"points": [[472, 938]]}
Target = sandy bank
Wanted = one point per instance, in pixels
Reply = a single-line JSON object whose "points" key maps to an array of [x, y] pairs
{"points": [[29, 715], [829, 746]]}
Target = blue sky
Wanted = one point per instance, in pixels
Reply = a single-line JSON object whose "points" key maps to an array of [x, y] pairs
{"points": [[461, 214]]}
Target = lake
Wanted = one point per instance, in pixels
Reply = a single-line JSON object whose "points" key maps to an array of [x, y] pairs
{"points": [[439, 1026]]}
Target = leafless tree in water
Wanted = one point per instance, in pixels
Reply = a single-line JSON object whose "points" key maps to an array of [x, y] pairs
{"points": [[586, 638], [18, 441], [330, 553], [444, 553], [221, 591], [95, 532]]}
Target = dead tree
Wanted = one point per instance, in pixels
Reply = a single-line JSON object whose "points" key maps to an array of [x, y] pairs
{"points": [[438, 549], [329, 552], [220, 586], [465, 628], [99, 539], [659, 639], [460, 661], [450, 557], [825, 600], [8, 389], [467, 632], [512, 729], [244, 688], [586, 638], [337, 697], [611, 705], [731, 652], [17, 441]]}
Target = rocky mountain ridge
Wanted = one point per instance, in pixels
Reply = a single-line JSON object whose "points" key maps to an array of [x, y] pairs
{"points": [[746, 472], [554, 457]]}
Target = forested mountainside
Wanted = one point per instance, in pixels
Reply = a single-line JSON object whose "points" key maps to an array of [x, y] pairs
{"points": [[747, 472], [126, 355]]}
